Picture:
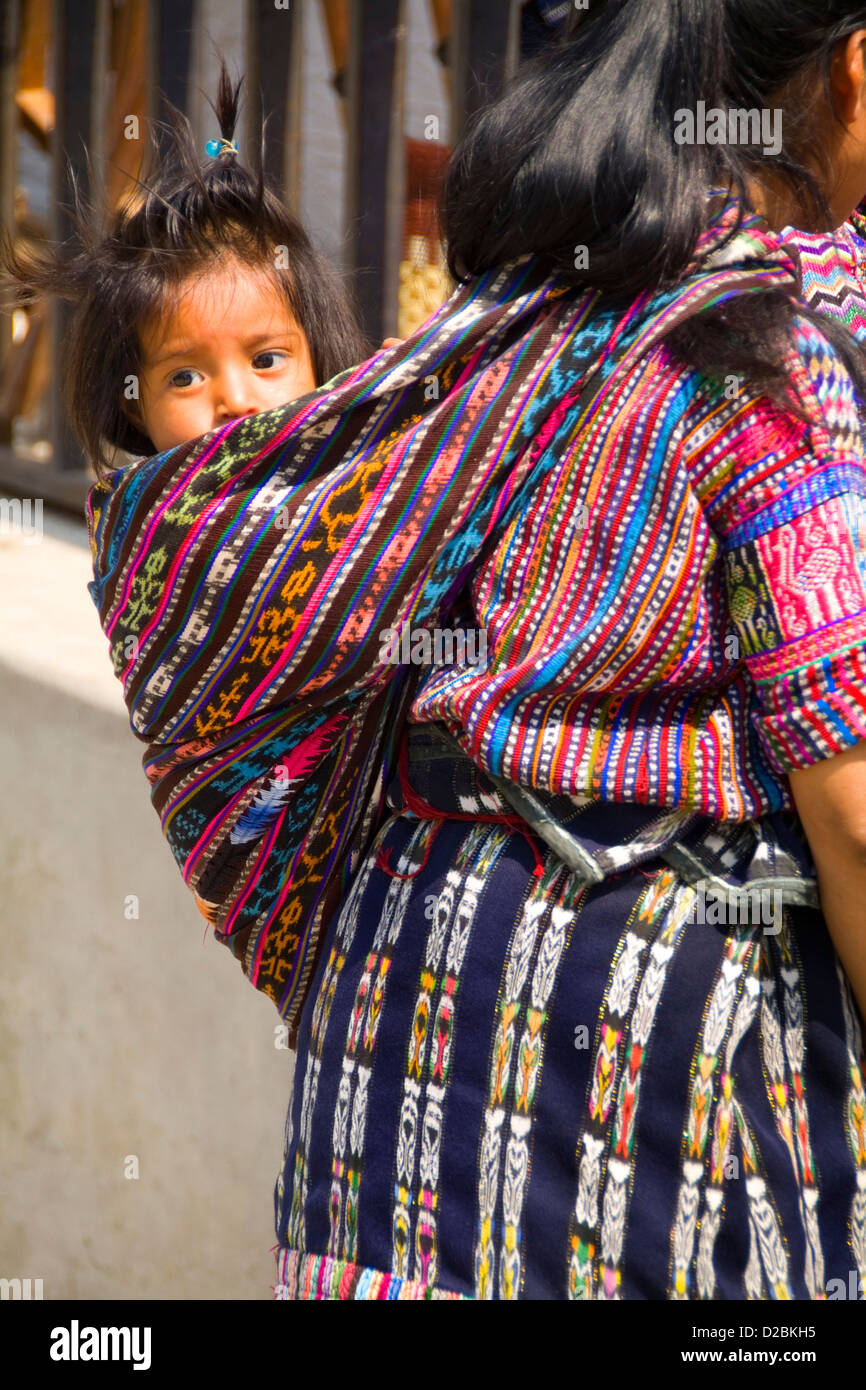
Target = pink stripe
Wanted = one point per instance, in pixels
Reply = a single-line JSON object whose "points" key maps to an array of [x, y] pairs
{"points": [[469, 368], [288, 880], [264, 851], [144, 548], [208, 832], [326, 580], [189, 543]]}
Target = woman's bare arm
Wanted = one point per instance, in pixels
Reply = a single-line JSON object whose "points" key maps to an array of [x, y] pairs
{"points": [[831, 801]]}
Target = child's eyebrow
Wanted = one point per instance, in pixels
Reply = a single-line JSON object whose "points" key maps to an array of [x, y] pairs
{"points": [[185, 350], [189, 349], [292, 332]]}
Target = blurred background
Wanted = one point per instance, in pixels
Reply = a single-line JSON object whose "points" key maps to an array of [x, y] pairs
{"points": [[143, 1081]]}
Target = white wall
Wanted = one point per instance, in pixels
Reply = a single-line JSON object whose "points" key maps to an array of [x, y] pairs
{"points": [[117, 1036]]}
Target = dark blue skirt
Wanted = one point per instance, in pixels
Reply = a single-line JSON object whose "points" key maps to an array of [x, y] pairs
{"points": [[515, 1080]]}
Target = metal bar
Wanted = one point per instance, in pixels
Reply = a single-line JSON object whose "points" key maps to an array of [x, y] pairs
{"points": [[131, 44], [294, 167], [441, 15], [9, 34], [335, 21], [173, 21], [8, 159], [99, 94], [73, 35], [376, 157], [484, 50], [272, 37]]}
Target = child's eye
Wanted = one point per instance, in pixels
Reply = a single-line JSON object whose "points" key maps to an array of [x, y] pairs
{"points": [[276, 358], [187, 372]]}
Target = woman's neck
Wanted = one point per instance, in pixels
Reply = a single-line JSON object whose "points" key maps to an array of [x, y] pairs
{"points": [[773, 200]]}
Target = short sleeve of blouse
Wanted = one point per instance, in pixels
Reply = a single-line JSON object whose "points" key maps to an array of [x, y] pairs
{"points": [[787, 502]]}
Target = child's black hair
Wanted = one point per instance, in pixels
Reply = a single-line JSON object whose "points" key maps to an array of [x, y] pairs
{"points": [[128, 264]]}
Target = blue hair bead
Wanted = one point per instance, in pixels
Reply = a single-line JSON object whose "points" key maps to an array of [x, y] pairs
{"points": [[216, 147]]}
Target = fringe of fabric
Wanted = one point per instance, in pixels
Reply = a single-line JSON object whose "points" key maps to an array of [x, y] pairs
{"points": [[319, 1278]]}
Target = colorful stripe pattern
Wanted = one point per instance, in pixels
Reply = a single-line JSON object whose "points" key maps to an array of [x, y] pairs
{"points": [[309, 1278], [671, 582]]}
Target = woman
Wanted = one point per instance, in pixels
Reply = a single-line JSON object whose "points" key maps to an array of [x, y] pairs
{"points": [[586, 1017]]}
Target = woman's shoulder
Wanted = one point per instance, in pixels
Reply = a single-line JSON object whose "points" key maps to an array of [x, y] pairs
{"points": [[822, 415]]}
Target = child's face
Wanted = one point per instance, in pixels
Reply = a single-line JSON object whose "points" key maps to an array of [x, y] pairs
{"points": [[230, 348]]}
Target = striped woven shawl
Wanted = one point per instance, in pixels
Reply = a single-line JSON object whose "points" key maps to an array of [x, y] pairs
{"points": [[244, 580]]}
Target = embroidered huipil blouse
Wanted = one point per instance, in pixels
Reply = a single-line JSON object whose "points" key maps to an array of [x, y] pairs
{"points": [[678, 614]]}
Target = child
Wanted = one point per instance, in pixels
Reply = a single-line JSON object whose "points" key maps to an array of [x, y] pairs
{"points": [[205, 302]]}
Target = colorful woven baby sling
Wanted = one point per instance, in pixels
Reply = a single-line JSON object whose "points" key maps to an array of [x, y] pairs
{"points": [[244, 580]]}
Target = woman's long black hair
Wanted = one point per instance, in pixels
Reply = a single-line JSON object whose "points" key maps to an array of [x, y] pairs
{"points": [[125, 265], [580, 152]]}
